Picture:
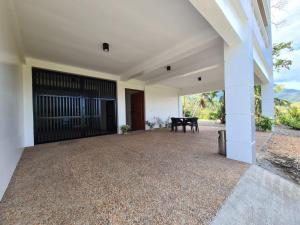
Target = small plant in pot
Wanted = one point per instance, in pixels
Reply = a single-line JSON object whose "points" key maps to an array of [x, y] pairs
{"points": [[150, 124], [167, 122], [159, 122], [125, 129]]}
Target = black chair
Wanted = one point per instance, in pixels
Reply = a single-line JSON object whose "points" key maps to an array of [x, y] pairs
{"points": [[176, 122], [193, 123]]}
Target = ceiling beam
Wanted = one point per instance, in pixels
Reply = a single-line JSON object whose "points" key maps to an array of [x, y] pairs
{"points": [[203, 87], [222, 16], [207, 63], [200, 70], [185, 49]]}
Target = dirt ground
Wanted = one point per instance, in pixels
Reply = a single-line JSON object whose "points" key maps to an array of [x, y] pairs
{"points": [[281, 154]]}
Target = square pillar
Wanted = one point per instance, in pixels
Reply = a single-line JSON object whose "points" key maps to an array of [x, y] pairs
{"points": [[267, 100], [180, 107], [239, 100]]}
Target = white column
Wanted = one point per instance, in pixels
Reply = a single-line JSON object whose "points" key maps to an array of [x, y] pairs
{"points": [[121, 105], [180, 109], [239, 98], [267, 99]]}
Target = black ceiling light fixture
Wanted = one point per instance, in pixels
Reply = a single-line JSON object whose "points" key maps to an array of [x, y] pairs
{"points": [[168, 68], [199, 78], [105, 47]]}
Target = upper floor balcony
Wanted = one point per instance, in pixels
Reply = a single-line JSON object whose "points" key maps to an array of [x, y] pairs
{"points": [[261, 10]]}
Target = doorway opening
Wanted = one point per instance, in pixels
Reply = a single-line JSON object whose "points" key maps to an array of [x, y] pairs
{"points": [[135, 109]]}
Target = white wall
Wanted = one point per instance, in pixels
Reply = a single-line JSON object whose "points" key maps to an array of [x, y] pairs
{"points": [[122, 85], [161, 102], [11, 124]]}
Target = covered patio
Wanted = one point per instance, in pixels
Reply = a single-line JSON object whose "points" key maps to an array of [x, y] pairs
{"points": [[152, 177], [76, 69]]}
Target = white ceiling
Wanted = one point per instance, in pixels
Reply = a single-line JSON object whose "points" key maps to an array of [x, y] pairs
{"points": [[71, 31], [144, 37]]}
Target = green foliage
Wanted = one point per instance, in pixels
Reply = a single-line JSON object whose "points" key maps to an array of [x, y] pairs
{"points": [[289, 117], [150, 124], [125, 129], [282, 102], [280, 63], [187, 113], [167, 122], [159, 122], [264, 123], [205, 106], [278, 88], [257, 95], [221, 113]]}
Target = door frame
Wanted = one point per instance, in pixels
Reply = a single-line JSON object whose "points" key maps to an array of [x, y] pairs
{"points": [[144, 101]]}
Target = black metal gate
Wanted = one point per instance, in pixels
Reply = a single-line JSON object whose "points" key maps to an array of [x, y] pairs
{"points": [[68, 106]]}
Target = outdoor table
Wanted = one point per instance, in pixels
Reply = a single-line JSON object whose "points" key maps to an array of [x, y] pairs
{"points": [[184, 123]]}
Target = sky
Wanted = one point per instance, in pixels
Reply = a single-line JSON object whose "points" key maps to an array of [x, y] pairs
{"points": [[288, 31]]}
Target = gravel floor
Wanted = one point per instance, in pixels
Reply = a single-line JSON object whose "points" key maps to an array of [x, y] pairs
{"points": [[153, 177]]}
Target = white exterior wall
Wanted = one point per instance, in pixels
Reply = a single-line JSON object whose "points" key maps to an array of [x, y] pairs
{"points": [[160, 101], [11, 129], [121, 86]]}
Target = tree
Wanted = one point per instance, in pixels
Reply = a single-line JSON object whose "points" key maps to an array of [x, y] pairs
{"points": [[222, 108], [278, 62], [278, 88], [257, 96], [277, 6]]}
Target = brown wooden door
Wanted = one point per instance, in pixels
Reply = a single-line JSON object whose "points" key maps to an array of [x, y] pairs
{"points": [[137, 111]]}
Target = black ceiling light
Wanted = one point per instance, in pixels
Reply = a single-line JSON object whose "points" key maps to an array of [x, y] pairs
{"points": [[168, 68], [105, 47], [199, 78]]}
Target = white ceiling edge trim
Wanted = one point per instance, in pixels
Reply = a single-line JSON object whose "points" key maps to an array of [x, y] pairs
{"points": [[182, 50], [200, 70], [263, 70], [34, 62]]}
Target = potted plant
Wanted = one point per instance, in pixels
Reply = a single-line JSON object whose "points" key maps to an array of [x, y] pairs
{"points": [[150, 124], [167, 122], [124, 129], [159, 122]]}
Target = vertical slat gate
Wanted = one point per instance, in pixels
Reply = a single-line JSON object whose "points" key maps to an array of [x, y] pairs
{"points": [[68, 106]]}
